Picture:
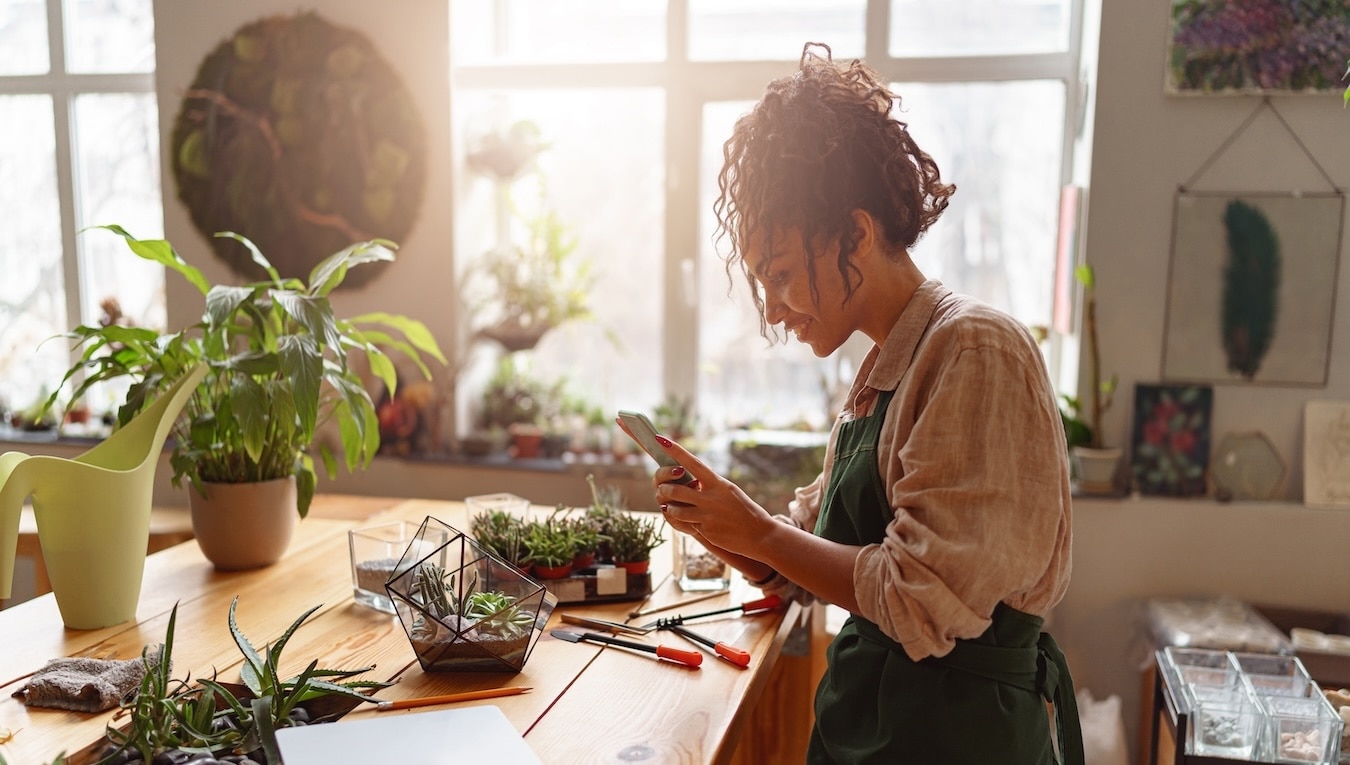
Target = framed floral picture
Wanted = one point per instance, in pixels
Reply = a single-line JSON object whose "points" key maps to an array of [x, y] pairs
{"points": [[1257, 46], [1171, 439]]}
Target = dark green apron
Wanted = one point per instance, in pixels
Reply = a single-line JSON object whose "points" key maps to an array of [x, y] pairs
{"points": [[984, 702]]}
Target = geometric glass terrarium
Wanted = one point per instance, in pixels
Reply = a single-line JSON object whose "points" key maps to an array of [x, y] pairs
{"points": [[462, 607]]}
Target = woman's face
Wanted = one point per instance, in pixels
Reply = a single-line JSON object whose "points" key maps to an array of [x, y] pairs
{"points": [[781, 268]]}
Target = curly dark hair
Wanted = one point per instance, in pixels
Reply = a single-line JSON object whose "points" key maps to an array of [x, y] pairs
{"points": [[820, 144]]}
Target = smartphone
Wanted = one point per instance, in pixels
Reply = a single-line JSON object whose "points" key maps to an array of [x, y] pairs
{"points": [[644, 433]]}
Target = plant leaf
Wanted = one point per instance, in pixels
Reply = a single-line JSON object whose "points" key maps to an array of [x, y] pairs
{"points": [[254, 252], [253, 661], [416, 332], [160, 251]]}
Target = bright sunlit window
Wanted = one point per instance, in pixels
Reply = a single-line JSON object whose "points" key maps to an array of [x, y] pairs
{"points": [[633, 99], [79, 146]]}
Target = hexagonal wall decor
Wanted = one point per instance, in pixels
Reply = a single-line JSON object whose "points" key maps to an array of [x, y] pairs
{"points": [[1247, 466]]}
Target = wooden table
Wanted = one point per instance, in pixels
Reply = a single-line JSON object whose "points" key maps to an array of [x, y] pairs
{"points": [[590, 704]]}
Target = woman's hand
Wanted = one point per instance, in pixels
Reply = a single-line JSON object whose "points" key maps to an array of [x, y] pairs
{"points": [[711, 508]]}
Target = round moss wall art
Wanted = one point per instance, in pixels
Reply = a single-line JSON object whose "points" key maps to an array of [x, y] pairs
{"points": [[297, 134]]}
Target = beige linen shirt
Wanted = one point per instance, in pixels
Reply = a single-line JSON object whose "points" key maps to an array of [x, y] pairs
{"points": [[972, 455]]}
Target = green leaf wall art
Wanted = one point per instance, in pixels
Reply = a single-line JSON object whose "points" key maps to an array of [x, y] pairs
{"points": [[1251, 282]]}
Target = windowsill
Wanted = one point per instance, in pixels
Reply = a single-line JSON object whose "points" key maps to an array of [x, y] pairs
{"points": [[12, 438]]}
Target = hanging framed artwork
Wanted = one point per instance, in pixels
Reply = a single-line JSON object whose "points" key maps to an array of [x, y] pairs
{"points": [[1171, 439], [298, 133], [1251, 288], [1326, 454], [1270, 46]]}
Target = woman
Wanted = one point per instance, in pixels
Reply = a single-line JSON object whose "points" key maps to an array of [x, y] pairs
{"points": [[941, 520]]}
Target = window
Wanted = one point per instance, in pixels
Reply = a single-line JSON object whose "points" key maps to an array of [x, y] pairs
{"points": [[79, 145], [634, 98]]}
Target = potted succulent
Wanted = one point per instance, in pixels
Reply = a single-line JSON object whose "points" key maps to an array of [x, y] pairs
{"points": [[504, 534], [464, 608], [551, 547], [280, 367], [632, 539], [1094, 463], [587, 538]]}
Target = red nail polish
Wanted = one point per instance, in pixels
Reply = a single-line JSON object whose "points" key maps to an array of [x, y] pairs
{"points": [[663, 441], [664, 508], [677, 472]]}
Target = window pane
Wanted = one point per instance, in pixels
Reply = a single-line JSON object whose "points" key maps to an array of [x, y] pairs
{"points": [[117, 166], [774, 30], [1000, 144], [605, 180], [23, 37], [32, 302], [742, 379], [557, 31], [110, 35], [978, 27]]}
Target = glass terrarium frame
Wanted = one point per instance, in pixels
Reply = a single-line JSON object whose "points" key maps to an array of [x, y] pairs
{"points": [[498, 639]]}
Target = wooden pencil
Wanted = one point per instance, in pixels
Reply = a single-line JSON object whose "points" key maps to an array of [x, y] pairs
{"points": [[489, 693]]}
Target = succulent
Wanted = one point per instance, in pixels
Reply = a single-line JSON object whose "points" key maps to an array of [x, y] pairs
{"points": [[488, 611], [632, 538]]}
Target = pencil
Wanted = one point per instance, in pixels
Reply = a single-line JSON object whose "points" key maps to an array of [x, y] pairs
{"points": [[489, 693]]}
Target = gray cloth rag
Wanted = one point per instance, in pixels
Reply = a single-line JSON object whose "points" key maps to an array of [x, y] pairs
{"points": [[84, 685]]}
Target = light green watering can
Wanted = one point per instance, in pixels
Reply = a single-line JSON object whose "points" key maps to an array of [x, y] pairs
{"points": [[93, 513]]}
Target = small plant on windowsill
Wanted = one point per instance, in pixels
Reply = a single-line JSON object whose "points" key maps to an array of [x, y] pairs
{"points": [[1094, 463]]}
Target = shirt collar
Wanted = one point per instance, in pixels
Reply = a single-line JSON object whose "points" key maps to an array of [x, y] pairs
{"points": [[892, 358]]}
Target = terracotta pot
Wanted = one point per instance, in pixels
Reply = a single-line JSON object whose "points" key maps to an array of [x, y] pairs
{"points": [[584, 561], [244, 525], [552, 572], [634, 567]]}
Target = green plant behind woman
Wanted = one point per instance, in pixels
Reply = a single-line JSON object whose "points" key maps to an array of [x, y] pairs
{"points": [[280, 366]]}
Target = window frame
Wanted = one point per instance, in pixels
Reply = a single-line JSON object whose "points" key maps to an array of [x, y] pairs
{"points": [[63, 87], [689, 84]]}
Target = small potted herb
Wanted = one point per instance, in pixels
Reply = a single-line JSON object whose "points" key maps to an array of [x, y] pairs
{"points": [[503, 534], [632, 539], [587, 537], [552, 546]]}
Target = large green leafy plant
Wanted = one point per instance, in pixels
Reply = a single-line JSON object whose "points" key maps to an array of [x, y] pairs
{"points": [[280, 367]]}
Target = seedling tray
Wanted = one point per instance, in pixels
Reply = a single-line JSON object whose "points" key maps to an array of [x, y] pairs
{"points": [[599, 584]]}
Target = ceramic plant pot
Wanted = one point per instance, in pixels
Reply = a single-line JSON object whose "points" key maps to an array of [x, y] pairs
{"points": [[244, 525], [1096, 469]]}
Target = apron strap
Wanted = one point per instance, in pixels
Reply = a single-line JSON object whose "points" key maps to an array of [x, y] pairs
{"points": [[1040, 669]]}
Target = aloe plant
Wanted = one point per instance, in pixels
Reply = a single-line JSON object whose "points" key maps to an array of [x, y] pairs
{"points": [[168, 715], [280, 368], [275, 698]]}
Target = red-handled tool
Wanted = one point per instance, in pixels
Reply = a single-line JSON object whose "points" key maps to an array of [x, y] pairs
{"points": [[729, 652], [766, 603], [688, 658]]}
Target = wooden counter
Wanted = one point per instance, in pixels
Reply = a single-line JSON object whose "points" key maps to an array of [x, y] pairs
{"points": [[589, 704]]}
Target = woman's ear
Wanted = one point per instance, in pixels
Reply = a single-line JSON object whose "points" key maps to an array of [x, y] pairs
{"points": [[864, 231]]}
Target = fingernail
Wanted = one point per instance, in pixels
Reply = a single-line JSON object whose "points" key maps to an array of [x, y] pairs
{"points": [[663, 508], [677, 472], [663, 441], [696, 484]]}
